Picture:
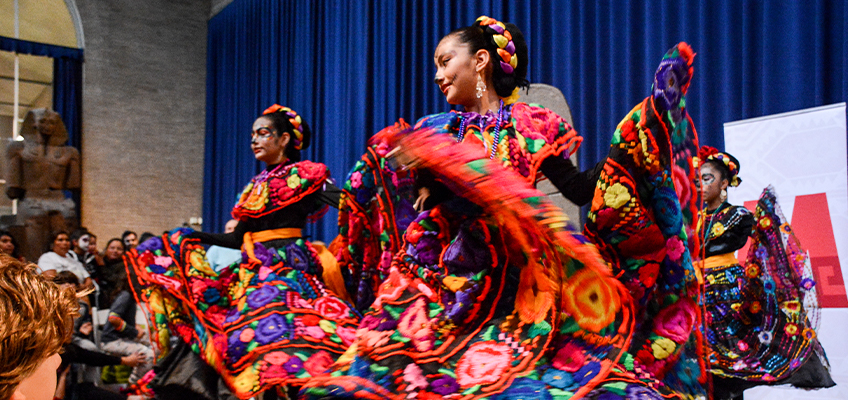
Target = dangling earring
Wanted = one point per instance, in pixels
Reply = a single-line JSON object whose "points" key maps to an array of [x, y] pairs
{"points": [[481, 86], [723, 195]]}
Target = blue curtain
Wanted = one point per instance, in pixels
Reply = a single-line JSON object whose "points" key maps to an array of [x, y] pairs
{"points": [[67, 96], [351, 68], [67, 81]]}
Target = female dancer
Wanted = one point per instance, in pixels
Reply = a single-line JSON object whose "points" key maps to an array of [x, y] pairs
{"points": [[268, 320], [488, 294], [757, 315]]}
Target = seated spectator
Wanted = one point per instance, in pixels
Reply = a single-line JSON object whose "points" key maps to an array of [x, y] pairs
{"points": [[9, 246], [130, 240], [84, 250], [57, 259], [222, 257], [36, 318], [121, 336], [112, 271]]}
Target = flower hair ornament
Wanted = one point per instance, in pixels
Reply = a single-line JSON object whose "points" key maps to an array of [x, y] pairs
{"points": [[294, 120], [706, 153], [506, 48]]}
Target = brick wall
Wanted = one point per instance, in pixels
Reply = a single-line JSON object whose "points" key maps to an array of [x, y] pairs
{"points": [[143, 113]]}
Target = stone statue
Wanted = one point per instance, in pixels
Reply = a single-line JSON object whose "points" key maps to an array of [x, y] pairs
{"points": [[40, 168]]}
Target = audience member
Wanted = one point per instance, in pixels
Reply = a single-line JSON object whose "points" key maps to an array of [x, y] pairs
{"points": [[84, 250], [57, 259], [81, 350], [112, 271], [9, 246], [121, 336], [130, 240], [36, 318]]}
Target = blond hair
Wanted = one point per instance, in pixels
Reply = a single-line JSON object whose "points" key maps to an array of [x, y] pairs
{"points": [[36, 319]]}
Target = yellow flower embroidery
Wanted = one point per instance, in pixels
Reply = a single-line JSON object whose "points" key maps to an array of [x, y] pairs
{"points": [[616, 196], [663, 347], [246, 380], [293, 181], [199, 264], [717, 230], [256, 198], [327, 326]]}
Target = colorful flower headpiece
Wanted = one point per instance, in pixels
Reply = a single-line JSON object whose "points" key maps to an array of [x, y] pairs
{"points": [[706, 153], [294, 120], [506, 48]]}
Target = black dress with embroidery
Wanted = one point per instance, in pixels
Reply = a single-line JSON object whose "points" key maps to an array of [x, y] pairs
{"points": [[756, 324]]}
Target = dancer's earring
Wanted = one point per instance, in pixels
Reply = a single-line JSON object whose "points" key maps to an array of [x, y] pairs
{"points": [[723, 195], [481, 86]]}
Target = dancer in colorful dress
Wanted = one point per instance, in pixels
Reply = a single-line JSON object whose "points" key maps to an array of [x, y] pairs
{"points": [[637, 220], [268, 320], [488, 292], [759, 314]]}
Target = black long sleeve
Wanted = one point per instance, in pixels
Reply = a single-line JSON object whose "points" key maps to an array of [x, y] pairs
{"points": [[292, 216], [77, 354], [576, 186], [232, 240], [330, 195]]}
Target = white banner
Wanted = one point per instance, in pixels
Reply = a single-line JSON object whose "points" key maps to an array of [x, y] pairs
{"points": [[803, 155]]}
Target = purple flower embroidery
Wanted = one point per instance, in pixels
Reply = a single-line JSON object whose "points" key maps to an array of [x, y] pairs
{"points": [[587, 372], [151, 244], [233, 315], [293, 365], [445, 385], [404, 214], [262, 296], [235, 347], [271, 329], [296, 257], [364, 195], [427, 249], [263, 254], [469, 252], [671, 76], [157, 269]]}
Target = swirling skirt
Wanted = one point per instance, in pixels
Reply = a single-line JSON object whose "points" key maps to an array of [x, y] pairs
{"points": [[259, 323]]}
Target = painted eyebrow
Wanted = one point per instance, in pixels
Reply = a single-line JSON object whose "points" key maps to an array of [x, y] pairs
{"points": [[440, 57]]}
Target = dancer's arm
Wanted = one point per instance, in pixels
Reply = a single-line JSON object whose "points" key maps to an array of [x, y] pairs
{"points": [[579, 187], [232, 240], [330, 195]]}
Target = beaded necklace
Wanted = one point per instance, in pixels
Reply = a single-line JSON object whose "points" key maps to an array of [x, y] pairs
{"points": [[496, 134]]}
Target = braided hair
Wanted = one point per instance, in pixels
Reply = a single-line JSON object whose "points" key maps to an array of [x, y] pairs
{"points": [[285, 119], [507, 50]]}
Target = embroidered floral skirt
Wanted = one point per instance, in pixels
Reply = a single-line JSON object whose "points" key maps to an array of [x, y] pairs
{"points": [[446, 322], [751, 335], [259, 324]]}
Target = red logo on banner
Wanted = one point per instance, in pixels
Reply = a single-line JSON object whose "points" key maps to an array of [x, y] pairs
{"points": [[813, 227]]}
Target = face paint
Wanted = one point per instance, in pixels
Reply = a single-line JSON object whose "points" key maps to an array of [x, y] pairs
{"points": [[84, 241]]}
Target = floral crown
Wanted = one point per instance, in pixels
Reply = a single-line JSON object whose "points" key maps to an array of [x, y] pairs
{"points": [[506, 47], [706, 153], [294, 120]]}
